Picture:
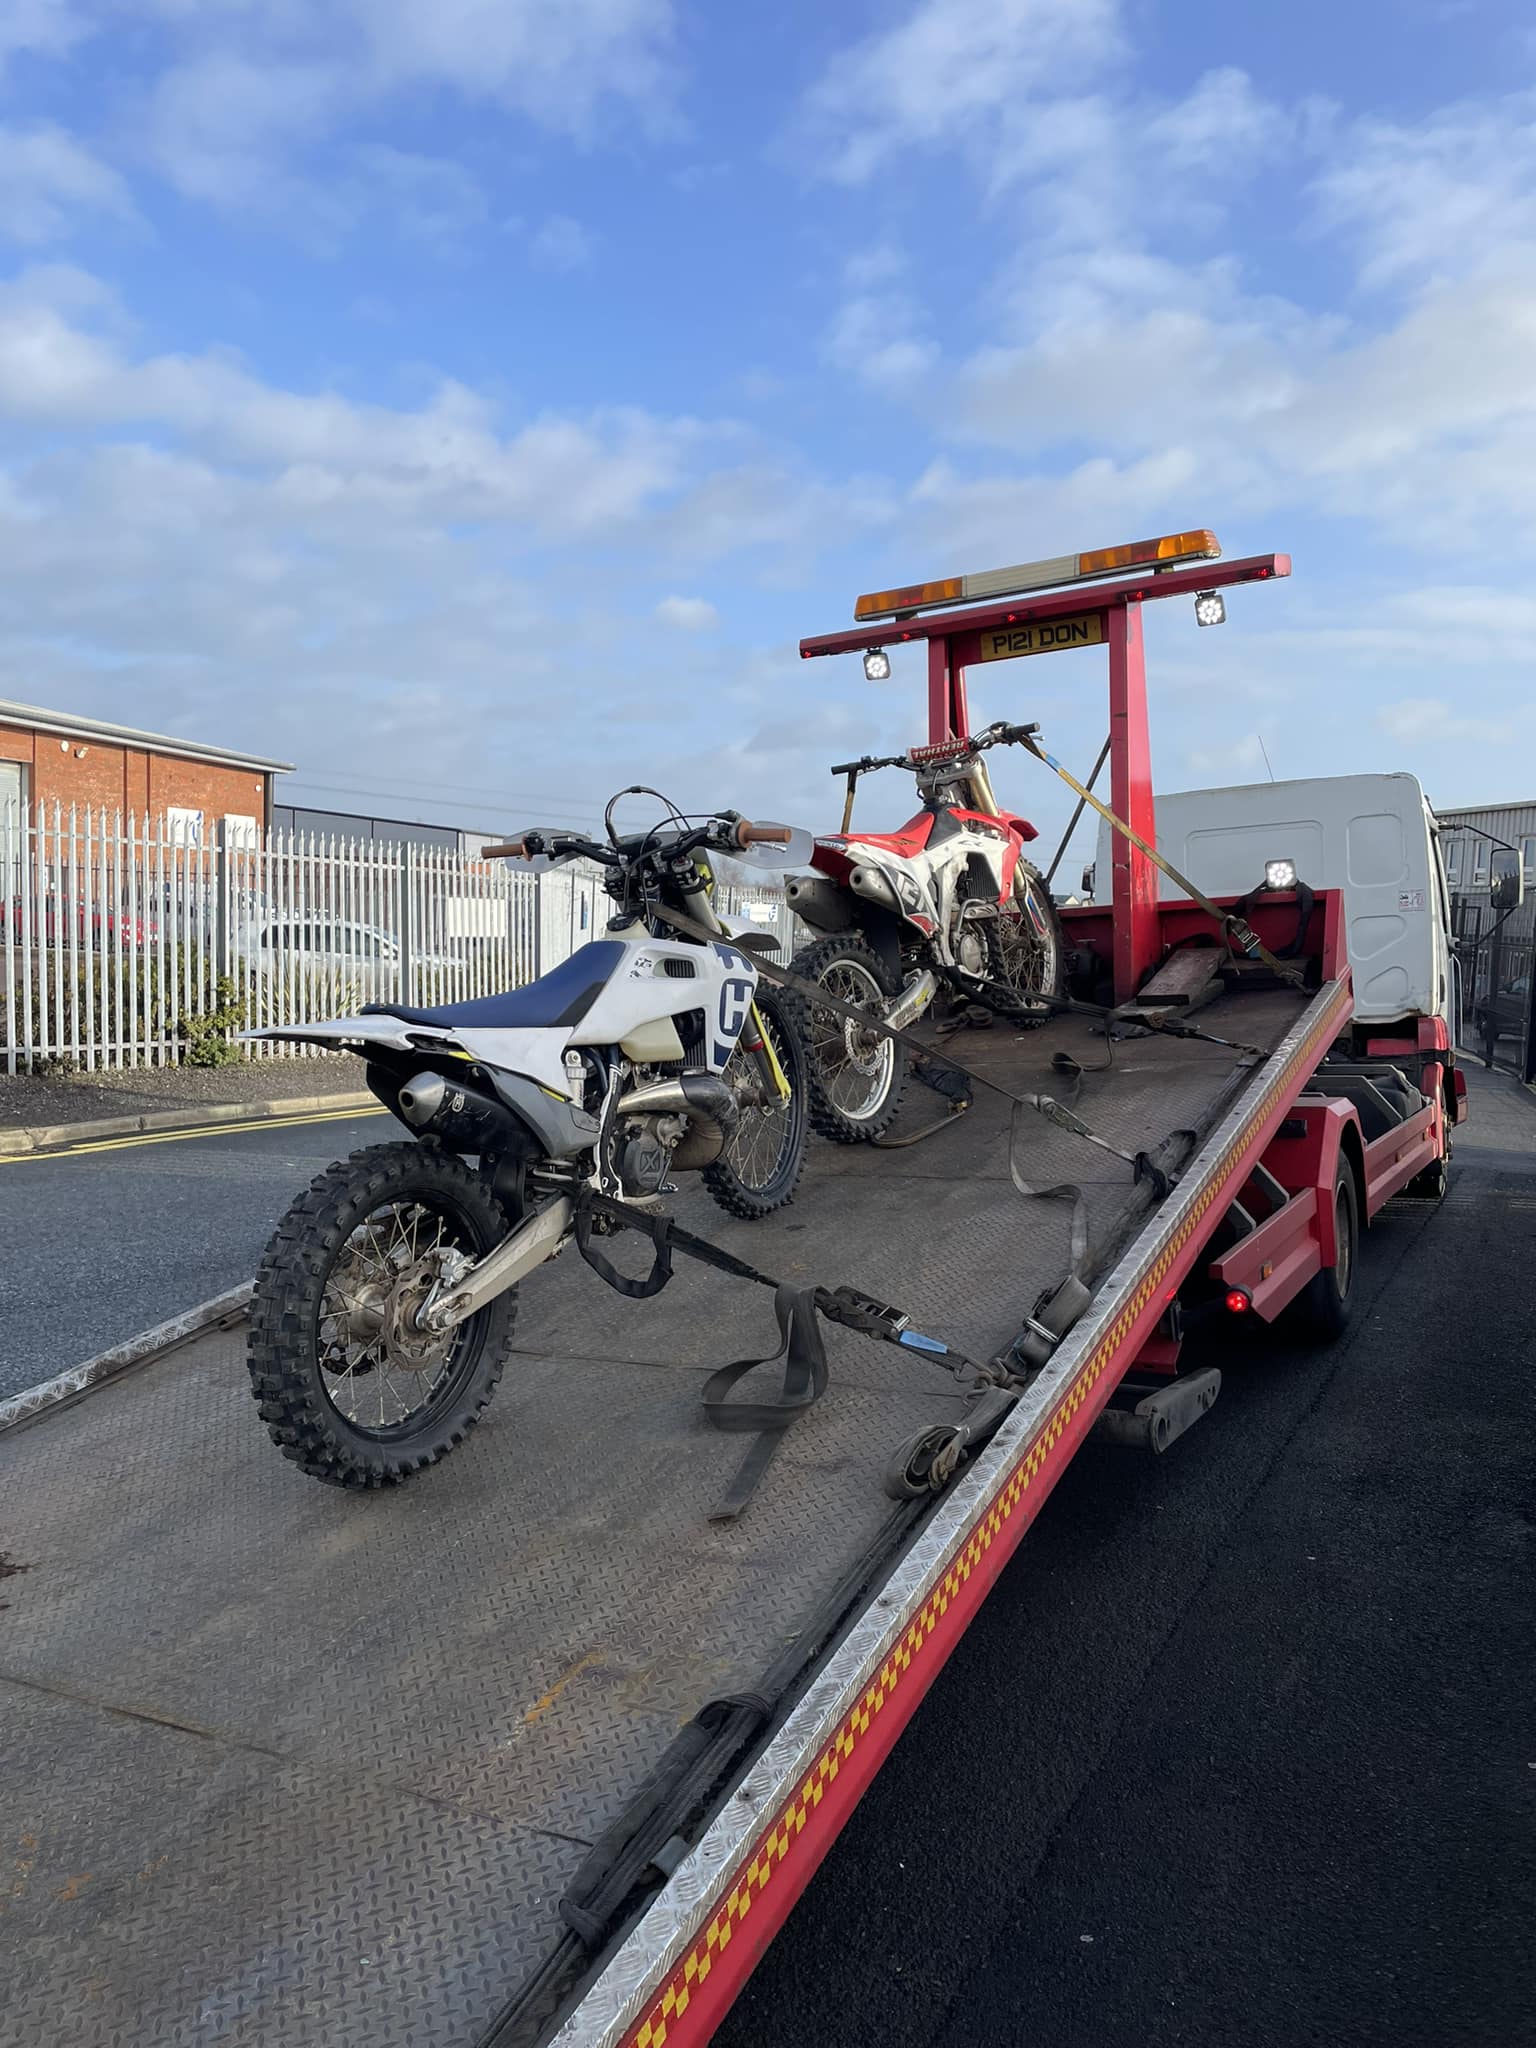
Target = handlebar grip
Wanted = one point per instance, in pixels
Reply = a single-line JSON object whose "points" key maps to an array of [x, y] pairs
{"points": [[748, 834], [847, 767], [509, 849]]}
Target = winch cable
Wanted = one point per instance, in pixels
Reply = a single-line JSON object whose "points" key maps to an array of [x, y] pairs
{"points": [[1238, 931]]}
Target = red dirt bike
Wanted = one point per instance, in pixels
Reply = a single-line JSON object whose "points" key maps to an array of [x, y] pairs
{"points": [[948, 902]]}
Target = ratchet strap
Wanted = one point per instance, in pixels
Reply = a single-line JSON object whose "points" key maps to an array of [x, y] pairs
{"points": [[800, 1350], [1238, 932]]}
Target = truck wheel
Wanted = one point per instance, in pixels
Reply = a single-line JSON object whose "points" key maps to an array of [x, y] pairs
{"points": [[855, 1076], [1431, 1184], [347, 1385], [1323, 1305]]}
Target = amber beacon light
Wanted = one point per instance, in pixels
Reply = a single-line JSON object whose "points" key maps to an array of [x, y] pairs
{"points": [[1168, 551]]}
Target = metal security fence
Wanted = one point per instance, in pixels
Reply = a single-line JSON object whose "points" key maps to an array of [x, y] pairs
{"points": [[1494, 953], [126, 945]]}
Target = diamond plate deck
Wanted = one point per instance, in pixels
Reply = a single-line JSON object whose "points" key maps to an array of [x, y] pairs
{"points": [[286, 1764]]}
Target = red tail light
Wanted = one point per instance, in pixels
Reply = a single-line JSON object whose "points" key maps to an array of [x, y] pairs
{"points": [[1238, 1301]]}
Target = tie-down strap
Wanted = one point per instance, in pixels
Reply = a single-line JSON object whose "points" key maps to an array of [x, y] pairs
{"points": [[1143, 1164], [800, 1349]]}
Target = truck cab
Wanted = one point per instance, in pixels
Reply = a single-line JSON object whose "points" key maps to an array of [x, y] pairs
{"points": [[1372, 837]]}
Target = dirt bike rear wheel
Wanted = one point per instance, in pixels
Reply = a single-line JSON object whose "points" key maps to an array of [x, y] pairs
{"points": [[1029, 946], [855, 1078], [350, 1390]]}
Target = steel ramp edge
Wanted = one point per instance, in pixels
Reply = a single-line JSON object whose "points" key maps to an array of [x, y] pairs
{"points": [[223, 1311], [672, 1979]]}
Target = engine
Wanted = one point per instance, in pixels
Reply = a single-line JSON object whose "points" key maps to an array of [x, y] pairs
{"points": [[682, 1120]]}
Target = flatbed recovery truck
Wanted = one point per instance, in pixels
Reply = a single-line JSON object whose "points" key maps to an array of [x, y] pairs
{"points": [[531, 1749]]}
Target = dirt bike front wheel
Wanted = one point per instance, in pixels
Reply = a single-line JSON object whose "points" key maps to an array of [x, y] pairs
{"points": [[351, 1390], [761, 1165], [1028, 944]]}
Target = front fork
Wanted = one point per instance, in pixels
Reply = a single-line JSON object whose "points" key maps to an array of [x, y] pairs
{"points": [[768, 1063], [760, 1045]]}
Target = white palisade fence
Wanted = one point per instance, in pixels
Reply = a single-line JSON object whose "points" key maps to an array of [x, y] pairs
{"points": [[127, 945]]}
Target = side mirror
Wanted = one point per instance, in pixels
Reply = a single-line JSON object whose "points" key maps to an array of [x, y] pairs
{"points": [[1506, 879], [1090, 876]]}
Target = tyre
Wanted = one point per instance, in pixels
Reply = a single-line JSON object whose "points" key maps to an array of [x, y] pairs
{"points": [[349, 1389], [854, 1077], [1324, 1303], [1028, 944], [760, 1168], [1432, 1183]]}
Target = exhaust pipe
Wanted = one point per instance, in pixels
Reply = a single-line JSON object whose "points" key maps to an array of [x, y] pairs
{"points": [[710, 1107], [465, 1118], [820, 903], [421, 1098]]}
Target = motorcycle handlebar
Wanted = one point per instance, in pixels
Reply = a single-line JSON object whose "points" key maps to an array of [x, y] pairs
{"points": [[869, 761], [748, 834]]}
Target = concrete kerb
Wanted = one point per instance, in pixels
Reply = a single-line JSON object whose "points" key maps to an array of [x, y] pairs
{"points": [[222, 1312], [47, 1137]]}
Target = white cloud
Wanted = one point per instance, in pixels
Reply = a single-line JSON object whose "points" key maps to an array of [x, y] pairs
{"points": [[1431, 200], [42, 28], [1414, 719], [251, 89], [220, 125], [46, 178], [448, 457], [1222, 123], [431, 199], [380, 592], [872, 338], [951, 70], [556, 65], [562, 244], [688, 614]]}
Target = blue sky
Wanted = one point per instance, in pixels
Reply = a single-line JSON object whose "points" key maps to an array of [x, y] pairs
{"points": [[474, 402]]}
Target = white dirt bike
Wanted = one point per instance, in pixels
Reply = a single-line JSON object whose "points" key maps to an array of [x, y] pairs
{"points": [[948, 902], [384, 1305]]}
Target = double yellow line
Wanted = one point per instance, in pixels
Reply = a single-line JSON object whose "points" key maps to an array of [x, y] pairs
{"points": [[223, 1130]]}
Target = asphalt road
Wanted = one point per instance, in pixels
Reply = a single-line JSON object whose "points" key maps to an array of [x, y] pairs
{"points": [[108, 1240], [1242, 1749]]}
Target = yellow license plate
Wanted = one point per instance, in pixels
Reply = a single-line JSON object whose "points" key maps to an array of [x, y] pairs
{"points": [[1047, 636]]}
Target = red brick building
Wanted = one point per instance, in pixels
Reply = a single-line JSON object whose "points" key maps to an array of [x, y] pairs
{"points": [[51, 756]]}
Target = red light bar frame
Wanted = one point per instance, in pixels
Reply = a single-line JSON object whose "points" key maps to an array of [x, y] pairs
{"points": [[954, 641]]}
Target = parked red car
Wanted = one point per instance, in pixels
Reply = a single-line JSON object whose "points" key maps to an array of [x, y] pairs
{"points": [[96, 931]]}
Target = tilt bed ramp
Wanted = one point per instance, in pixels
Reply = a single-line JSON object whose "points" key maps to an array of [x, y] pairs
{"points": [[289, 1764]]}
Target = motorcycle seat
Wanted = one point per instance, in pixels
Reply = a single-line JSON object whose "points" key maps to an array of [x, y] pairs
{"points": [[561, 997]]}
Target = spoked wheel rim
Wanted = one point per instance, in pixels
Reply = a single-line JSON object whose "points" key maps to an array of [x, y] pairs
{"points": [[380, 1373], [1026, 945], [854, 1066], [768, 1132]]}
